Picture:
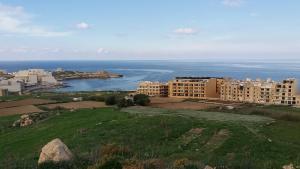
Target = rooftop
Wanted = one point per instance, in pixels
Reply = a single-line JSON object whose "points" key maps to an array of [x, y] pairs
{"points": [[195, 78]]}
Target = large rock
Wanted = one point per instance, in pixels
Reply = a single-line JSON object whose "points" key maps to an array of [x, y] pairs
{"points": [[55, 151], [290, 166], [208, 167]]}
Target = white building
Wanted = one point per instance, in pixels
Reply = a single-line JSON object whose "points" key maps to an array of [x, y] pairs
{"points": [[11, 85], [33, 77]]}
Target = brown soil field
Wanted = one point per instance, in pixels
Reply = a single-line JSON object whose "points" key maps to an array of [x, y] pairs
{"points": [[183, 105], [157, 100], [24, 103], [19, 110], [77, 105]]}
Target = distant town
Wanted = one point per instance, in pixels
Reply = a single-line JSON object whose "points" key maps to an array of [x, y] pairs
{"points": [[226, 89], [39, 79], [204, 88]]}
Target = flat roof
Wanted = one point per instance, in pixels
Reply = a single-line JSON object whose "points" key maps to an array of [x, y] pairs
{"points": [[193, 77]]}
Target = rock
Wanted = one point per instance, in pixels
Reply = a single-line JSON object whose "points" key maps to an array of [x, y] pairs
{"points": [[208, 167], [24, 116], [17, 123], [230, 107], [55, 151], [26, 122], [290, 166], [29, 119]]}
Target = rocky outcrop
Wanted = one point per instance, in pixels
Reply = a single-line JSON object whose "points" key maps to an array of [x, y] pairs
{"points": [[55, 151], [290, 166], [208, 167], [69, 75], [25, 120], [29, 119]]}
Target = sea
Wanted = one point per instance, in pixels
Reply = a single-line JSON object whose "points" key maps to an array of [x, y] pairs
{"points": [[158, 70]]}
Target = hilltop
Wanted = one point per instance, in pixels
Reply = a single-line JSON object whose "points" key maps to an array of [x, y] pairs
{"points": [[135, 135]]}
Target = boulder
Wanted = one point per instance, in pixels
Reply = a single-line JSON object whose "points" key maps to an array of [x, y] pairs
{"points": [[55, 151], [26, 122], [208, 167], [17, 123], [230, 107], [290, 166]]}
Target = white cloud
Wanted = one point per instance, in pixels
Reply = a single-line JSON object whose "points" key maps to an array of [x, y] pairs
{"points": [[232, 3], [101, 51], [15, 20], [82, 25], [186, 31]]}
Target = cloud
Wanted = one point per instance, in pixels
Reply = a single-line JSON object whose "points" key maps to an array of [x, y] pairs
{"points": [[232, 3], [102, 51], [14, 20], [185, 31], [82, 25]]}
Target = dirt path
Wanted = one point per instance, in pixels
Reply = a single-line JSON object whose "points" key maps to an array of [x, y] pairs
{"points": [[77, 105]]}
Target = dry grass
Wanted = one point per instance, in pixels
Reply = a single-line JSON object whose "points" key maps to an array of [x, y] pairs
{"points": [[191, 135], [19, 110], [217, 140], [24, 102], [183, 105], [159, 100], [77, 105]]}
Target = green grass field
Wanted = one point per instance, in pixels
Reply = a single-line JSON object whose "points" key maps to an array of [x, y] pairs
{"points": [[251, 144]]}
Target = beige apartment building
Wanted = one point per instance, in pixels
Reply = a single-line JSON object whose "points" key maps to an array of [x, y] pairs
{"points": [[286, 92], [195, 87], [260, 91], [252, 91], [153, 89]]}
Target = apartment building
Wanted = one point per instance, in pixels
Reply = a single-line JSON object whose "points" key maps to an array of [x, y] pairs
{"points": [[195, 87], [286, 92], [12, 86], [33, 77], [153, 89], [252, 91], [260, 91]]}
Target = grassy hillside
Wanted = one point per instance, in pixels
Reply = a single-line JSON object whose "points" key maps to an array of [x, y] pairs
{"points": [[148, 133]]}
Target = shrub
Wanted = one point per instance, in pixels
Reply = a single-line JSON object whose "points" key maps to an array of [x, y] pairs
{"points": [[180, 163], [96, 98], [125, 103], [60, 165], [111, 164], [111, 150], [141, 99], [111, 100]]}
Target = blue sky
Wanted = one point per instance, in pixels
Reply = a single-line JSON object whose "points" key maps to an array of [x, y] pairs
{"points": [[149, 29]]}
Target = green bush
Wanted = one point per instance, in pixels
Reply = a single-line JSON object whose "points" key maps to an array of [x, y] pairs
{"points": [[111, 164], [141, 99], [111, 100], [125, 103], [96, 98]]}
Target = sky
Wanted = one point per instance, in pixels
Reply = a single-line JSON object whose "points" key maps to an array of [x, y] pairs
{"points": [[149, 29]]}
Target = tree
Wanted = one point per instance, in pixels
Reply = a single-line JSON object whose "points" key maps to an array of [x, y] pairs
{"points": [[141, 99], [111, 100], [125, 103]]}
